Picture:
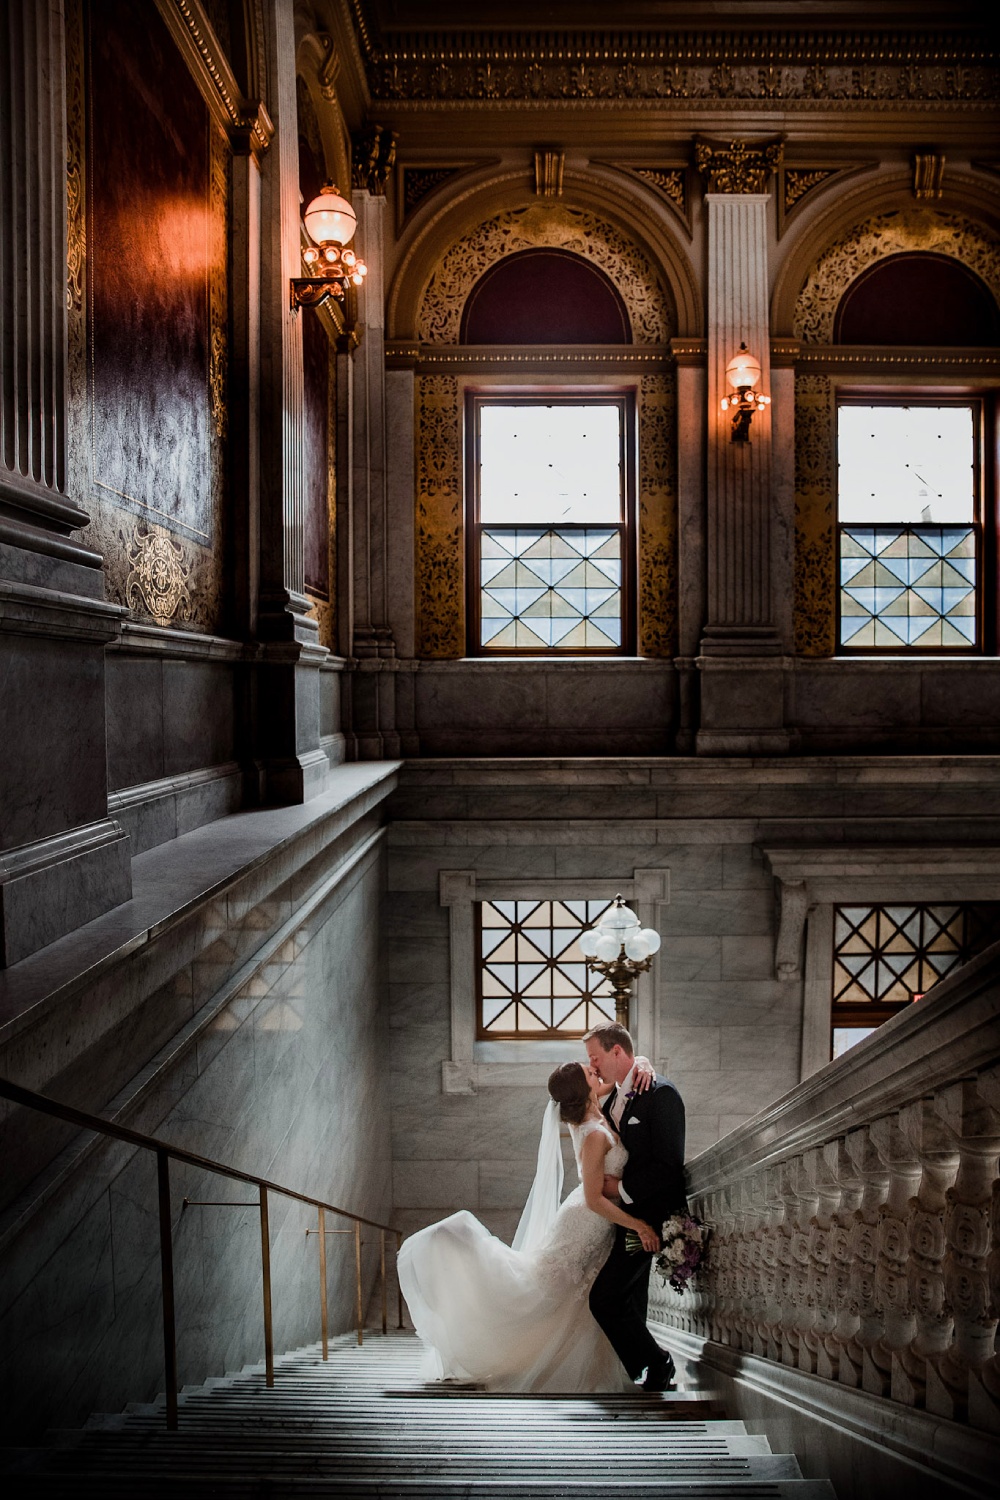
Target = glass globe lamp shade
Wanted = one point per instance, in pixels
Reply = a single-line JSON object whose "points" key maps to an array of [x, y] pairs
{"points": [[588, 942], [743, 370], [652, 939], [618, 919], [330, 219], [607, 949], [636, 946]]}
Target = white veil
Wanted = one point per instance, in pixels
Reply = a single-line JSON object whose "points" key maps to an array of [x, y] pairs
{"points": [[546, 1190]]}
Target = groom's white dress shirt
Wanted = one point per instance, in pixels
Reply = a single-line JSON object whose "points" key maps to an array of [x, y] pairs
{"points": [[618, 1104]]}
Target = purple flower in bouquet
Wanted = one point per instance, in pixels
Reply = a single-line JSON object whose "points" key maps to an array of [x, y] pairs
{"points": [[685, 1241]]}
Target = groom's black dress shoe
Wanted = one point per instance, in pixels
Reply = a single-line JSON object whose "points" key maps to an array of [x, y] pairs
{"points": [[661, 1376]]}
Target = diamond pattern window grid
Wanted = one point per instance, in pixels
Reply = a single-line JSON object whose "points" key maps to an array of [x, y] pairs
{"points": [[551, 588], [908, 586], [534, 983], [884, 955]]}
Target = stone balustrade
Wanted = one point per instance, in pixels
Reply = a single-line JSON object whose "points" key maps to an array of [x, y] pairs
{"points": [[856, 1223]]}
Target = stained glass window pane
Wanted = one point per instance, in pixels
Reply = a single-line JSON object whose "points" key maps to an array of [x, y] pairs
{"points": [[533, 981], [908, 586], [553, 589]]}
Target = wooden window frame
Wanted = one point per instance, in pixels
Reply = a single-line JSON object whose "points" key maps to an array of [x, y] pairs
{"points": [[625, 400], [985, 523]]}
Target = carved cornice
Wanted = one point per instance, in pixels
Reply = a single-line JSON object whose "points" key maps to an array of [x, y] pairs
{"points": [[461, 359], [793, 67], [736, 166], [246, 122]]}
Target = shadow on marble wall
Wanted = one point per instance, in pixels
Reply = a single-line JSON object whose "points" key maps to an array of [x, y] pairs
{"points": [[287, 1082]]}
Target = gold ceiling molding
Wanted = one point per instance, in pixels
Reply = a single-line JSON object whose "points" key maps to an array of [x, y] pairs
{"points": [[550, 226], [835, 70], [246, 122], [889, 234], [737, 166]]}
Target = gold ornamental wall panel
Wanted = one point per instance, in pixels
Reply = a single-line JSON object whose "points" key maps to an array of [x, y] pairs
{"points": [[815, 519], [647, 299], [657, 520], [440, 532]]}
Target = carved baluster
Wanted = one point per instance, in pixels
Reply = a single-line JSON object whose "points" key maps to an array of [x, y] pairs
{"points": [[864, 1256], [802, 1302], [758, 1273], [967, 1230], [745, 1275], [984, 1384], [892, 1290], [814, 1354], [841, 1341], [937, 1152], [771, 1245]]}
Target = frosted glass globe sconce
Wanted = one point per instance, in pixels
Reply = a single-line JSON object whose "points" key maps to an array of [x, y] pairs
{"points": [[743, 373], [619, 948], [330, 222]]}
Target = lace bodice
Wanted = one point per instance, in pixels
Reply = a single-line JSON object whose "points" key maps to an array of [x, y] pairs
{"points": [[614, 1162]]}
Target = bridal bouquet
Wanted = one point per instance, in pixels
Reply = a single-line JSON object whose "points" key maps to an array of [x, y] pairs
{"points": [[685, 1242]]}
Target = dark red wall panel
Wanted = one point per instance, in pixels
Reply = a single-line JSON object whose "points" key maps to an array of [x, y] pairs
{"points": [[149, 257], [918, 298], [545, 297]]}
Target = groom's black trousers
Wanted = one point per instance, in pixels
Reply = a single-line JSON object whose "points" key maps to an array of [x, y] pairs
{"points": [[618, 1301]]}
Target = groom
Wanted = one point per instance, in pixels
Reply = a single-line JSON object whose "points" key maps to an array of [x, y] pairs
{"points": [[651, 1126]]}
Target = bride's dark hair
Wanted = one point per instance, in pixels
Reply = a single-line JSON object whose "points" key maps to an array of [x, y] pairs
{"points": [[570, 1089]]}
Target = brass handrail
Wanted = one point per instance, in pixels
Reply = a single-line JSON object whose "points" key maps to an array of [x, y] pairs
{"points": [[164, 1151]]}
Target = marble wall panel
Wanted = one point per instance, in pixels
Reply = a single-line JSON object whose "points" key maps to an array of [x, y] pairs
{"points": [[134, 691], [748, 958], [291, 1082]]}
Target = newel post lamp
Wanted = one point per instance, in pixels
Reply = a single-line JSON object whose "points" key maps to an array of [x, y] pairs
{"points": [[330, 223], [743, 373], [619, 948]]}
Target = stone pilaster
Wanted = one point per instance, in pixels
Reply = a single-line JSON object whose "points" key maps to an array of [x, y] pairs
{"points": [[63, 861], [287, 705], [372, 644], [742, 687]]}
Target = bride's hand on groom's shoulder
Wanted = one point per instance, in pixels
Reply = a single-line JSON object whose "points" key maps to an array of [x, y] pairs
{"points": [[643, 1075]]}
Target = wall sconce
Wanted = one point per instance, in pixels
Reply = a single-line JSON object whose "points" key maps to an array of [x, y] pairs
{"points": [[743, 373], [330, 222]]}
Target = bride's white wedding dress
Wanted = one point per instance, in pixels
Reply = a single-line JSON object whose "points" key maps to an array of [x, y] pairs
{"points": [[516, 1320]]}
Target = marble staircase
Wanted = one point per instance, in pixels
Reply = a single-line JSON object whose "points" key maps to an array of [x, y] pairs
{"points": [[364, 1424]]}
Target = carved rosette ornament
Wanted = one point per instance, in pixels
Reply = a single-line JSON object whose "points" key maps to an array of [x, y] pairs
{"points": [[737, 167]]}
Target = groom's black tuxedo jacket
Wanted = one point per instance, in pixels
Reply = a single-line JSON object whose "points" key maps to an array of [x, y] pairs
{"points": [[652, 1130]]}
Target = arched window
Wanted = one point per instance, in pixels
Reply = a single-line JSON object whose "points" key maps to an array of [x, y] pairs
{"points": [[916, 518]]}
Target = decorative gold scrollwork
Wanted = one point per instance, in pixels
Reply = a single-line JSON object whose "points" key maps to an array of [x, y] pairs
{"points": [[737, 167], [440, 574], [157, 583]]}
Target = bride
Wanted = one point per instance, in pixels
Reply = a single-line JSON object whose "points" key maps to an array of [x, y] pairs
{"points": [[516, 1318]]}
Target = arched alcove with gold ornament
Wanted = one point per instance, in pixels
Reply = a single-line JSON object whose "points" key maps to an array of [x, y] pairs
{"points": [[903, 232], [432, 306]]}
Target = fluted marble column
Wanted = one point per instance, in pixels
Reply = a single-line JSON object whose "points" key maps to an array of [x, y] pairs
{"points": [[63, 861], [741, 647], [292, 763], [373, 647]]}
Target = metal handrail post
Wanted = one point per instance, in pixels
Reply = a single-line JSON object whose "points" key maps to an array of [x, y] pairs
{"points": [[265, 1261], [385, 1315], [357, 1268], [167, 1280], [322, 1283], [399, 1284]]}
